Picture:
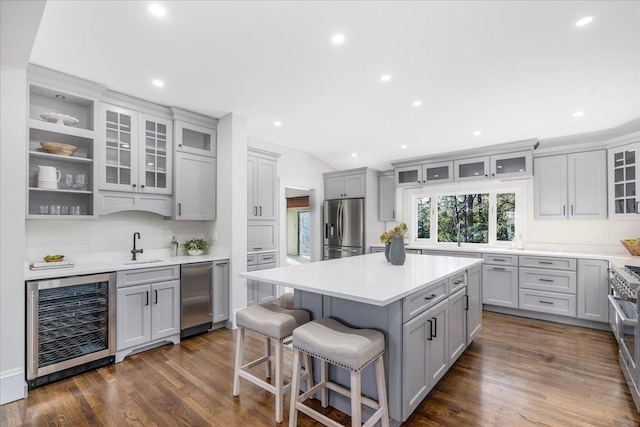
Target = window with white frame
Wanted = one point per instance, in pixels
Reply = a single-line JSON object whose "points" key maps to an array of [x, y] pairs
{"points": [[485, 215]]}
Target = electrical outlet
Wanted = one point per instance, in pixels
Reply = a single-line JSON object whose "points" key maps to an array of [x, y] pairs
{"points": [[214, 236]]}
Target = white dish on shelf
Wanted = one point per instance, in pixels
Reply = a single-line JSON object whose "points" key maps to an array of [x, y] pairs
{"points": [[61, 119]]}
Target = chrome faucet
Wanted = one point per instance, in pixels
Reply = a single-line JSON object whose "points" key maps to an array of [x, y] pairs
{"points": [[135, 251], [458, 225]]}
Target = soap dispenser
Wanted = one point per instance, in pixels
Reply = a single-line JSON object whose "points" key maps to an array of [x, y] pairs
{"points": [[173, 249]]}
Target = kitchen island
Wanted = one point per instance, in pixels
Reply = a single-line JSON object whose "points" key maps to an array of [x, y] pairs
{"points": [[429, 310]]}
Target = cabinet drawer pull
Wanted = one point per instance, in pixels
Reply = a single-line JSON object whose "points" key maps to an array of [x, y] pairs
{"points": [[430, 329], [179, 209], [498, 269], [458, 282], [260, 210], [156, 296], [430, 297], [545, 262], [255, 211], [499, 259], [257, 249], [545, 302], [546, 280], [466, 302], [435, 327], [147, 297]]}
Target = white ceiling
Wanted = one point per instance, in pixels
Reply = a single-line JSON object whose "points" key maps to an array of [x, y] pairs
{"points": [[513, 70]]}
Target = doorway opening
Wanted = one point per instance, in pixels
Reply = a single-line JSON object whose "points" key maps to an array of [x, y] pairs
{"points": [[298, 226]]}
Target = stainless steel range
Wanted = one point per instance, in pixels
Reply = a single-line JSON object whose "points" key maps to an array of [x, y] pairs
{"points": [[623, 318]]}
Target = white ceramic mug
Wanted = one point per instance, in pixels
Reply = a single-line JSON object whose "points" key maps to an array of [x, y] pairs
{"points": [[48, 174]]}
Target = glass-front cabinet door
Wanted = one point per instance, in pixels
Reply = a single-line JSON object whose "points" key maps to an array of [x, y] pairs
{"points": [[623, 181], [195, 139], [156, 153], [409, 176], [511, 165], [120, 149], [437, 173], [471, 169]]}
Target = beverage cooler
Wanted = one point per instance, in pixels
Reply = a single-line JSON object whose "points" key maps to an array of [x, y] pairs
{"points": [[70, 326]]}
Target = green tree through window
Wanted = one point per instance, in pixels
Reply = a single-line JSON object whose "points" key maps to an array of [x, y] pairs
{"points": [[424, 218], [505, 216], [471, 211]]}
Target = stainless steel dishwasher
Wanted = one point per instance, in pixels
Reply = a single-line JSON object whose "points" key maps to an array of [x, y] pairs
{"points": [[196, 313]]}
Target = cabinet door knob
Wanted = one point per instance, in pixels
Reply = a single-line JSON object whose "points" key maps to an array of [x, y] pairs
{"points": [[134, 185]]}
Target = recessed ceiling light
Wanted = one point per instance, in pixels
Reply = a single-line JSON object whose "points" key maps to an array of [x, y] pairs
{"points": [[584, 21], [477, 133], [157, 83], [354, 154], [337, 39], [157, 9], [403, 146], [277, 123], [417, 103], [385, 78], [578, 114]]}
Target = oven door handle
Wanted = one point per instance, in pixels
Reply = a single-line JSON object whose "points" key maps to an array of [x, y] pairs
{"points": [[625, 320]]}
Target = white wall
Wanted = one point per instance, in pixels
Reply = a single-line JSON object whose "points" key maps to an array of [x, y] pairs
{"points": [[300, 170], [232, 203], [19, 22]]}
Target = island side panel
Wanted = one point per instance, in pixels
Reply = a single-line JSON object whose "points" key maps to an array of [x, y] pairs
{"points": [[386, 319]]}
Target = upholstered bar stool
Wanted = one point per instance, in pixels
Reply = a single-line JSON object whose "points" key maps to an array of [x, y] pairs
{"points": [[286, 300], [273, 323], [349, 348]]}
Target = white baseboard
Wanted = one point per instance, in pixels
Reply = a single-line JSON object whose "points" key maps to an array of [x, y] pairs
{"points": [[12, 385]]}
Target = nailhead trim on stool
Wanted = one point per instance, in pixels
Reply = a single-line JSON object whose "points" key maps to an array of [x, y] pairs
{"points": [[349, 348], [273, 323]]}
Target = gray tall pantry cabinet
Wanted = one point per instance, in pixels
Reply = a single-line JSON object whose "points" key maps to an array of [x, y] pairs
{"points": [[262, 221]]}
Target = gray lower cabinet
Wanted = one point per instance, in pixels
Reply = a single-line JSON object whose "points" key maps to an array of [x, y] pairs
{"points": [[593, 287], [148, 308], [474, 303], [220, 291], [258, 292], [548, 285], [500, 285], [425, 354], [457, 324]]}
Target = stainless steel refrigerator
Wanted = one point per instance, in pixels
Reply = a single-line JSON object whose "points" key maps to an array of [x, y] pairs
{"points": [[343, 228]]}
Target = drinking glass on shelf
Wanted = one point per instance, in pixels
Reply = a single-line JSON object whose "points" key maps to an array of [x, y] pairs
{"points": [[80, 182], [43, 210], [67, 181], [75, 210], [54, 210], [64, 210]]}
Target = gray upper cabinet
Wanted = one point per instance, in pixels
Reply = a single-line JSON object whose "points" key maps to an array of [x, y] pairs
{"points": [[570, 186], [437, 173], [195, 187], [386, 197], [261, 180], [512, 165], [408, 176], [471, 169], [624, 181], [344, 186], [195, 139]]}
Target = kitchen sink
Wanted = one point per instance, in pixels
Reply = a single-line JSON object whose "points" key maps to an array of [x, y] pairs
{"points": [[142, 261]]}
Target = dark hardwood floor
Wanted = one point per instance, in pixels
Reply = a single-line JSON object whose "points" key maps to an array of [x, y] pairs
{"points": [[518, 372]]}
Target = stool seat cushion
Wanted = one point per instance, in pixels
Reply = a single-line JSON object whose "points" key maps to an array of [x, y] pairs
{"points": [[271, 320], [329, 339], [286, 300]]}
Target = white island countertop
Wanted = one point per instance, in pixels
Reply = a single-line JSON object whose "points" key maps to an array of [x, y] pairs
{"points": [[367, 278]]}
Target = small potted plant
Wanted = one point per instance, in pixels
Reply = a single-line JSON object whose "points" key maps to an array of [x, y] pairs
{"points": [[195, 246]]}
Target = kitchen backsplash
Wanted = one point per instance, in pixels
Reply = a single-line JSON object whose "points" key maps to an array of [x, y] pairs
{"points": [[110, 233]]}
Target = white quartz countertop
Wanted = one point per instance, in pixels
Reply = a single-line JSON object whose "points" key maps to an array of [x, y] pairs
{"points": [[118, 261], [368, 278]]}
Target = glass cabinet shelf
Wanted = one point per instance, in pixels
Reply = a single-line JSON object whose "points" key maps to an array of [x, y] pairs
{"points": [[60, 190], [57, 157]]}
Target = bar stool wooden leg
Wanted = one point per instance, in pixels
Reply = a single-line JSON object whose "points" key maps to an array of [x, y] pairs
{"points": [[324, 377], [356, 405], [382, 391], [239, 348], [267, 353], [279, 381], [295, 387], [308, 368]]}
